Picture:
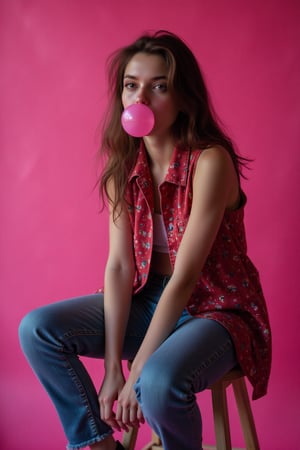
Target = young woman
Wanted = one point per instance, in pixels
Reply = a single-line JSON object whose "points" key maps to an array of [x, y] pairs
{"points": [[181, 298]]}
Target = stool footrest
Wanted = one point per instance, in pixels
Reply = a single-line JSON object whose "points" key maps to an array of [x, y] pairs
{"points": [[152, 446]]}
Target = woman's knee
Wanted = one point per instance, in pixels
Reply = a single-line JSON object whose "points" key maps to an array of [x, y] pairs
{"points": [[157, 390], [28, 326], [34, 328]]}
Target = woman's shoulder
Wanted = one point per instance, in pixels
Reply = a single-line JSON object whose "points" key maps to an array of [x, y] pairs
{"points": [[215, 159], [214, 154]]}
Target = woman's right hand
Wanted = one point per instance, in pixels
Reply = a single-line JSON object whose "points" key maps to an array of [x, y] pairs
{"points": [[112, 385]]}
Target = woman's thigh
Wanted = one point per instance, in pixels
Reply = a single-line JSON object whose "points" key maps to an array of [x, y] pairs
{"points": [[77, 324]]}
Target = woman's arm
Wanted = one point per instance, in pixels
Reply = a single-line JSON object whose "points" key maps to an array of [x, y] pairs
{"points": [[118, 284], [119, 274]]}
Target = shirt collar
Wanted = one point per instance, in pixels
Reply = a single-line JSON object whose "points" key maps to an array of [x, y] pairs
{"points": [[178, 169]]}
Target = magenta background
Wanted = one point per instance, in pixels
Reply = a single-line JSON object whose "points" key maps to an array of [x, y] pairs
{"points": [[53, 242]]}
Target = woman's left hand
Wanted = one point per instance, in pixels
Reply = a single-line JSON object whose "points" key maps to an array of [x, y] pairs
{"points": [[128, 413]]}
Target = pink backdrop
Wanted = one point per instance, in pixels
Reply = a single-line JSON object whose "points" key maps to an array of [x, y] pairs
{"points": [[54, 242]]}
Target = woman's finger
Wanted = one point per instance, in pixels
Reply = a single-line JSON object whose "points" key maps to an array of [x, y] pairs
{"points": [[140, 416], [107, 414]]}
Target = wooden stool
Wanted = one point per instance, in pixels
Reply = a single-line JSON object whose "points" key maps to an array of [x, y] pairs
{"points": [[221, 420]]}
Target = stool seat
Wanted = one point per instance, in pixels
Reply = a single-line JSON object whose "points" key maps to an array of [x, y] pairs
{"points": [[235, 378]]}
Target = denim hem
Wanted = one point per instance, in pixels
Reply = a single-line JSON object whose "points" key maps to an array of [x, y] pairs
{"points": [[89, 442]]}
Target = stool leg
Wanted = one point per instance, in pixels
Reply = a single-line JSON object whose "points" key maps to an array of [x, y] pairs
{"points": [[221, 420], [129, 438], [245, 412], [155, 443]]}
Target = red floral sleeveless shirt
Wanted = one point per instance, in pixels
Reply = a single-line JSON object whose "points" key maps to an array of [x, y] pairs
{"points": [[228, 289]]}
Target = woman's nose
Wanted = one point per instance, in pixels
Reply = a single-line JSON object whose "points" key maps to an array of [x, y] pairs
{"points": [[142, 97]]}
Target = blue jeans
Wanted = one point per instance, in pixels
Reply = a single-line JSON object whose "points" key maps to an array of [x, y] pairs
{"points": [[196, 354]]}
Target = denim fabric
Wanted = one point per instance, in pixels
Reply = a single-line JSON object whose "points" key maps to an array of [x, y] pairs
{"points": [[197, 353]]}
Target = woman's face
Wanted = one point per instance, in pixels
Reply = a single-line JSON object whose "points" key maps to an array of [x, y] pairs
{"points": [[145, 81]]}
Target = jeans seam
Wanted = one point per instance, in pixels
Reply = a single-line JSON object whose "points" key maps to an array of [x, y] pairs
{"points": [[82, 332], [217, 354], [79, 385], [83, 396]]}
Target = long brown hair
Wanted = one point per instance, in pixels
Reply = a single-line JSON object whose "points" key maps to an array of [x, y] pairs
{"points": [[196, 127]]}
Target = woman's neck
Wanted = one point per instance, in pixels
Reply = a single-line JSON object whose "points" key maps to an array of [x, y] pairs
{"points": [[159, 151]]}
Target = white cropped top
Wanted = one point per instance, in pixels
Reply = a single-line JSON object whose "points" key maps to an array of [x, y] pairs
{"points": [[160, 239]]}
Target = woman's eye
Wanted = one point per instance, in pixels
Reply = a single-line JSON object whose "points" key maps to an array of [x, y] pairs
{"points": [[160, 87], [129, 85]]}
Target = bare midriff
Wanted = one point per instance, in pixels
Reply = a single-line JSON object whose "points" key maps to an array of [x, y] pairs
{"points": [[160, 263]]}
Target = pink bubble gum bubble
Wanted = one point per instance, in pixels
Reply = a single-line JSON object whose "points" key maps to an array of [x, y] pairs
{"points": [[137, 120]]}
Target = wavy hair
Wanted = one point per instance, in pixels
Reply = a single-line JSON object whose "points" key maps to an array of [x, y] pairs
{"points": [[196, 126]]}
